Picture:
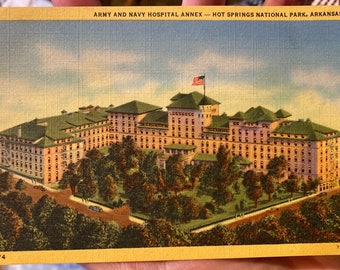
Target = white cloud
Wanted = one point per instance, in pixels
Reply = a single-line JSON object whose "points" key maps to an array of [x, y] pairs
{"points": [[312, 104], [97, 67], [322, 77], [209, 60]]}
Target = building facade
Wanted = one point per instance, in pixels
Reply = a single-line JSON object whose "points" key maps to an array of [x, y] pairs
{"points": [[191, 125], [43, 148]]}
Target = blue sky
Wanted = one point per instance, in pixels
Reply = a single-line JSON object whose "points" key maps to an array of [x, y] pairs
{"points": [[50, 66]]}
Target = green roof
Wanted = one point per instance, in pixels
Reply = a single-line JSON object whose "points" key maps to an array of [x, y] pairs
{"points": [[156, 117], [191, 101], [178, 96], [204, 157], [180, 147], [221, 121], [282, 114], [43, 132], [260, 114], [134, 107], [311, 131], [30, 130]]}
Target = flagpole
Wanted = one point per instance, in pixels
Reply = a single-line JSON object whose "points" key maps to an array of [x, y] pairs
{"points": [[204, 83]]}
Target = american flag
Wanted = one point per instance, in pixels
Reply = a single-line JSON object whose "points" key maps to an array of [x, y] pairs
{"points": [[199, 80]]}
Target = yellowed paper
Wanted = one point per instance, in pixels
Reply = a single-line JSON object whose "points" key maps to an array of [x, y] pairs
{"points": [[168, 133]]}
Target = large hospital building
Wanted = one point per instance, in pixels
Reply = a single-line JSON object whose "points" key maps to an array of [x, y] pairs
{"points": [[191, 125]]}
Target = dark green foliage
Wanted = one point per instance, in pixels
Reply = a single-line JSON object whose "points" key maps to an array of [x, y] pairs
{"points": [[316, 211], [94, 234], [194, 173], [11, 225], [266, 231], [277, 167], [211, 206], [268, 186], [298, 228], [292, 184], [132, 236], [6, 181], [71, 178], [42, 211], [31, 238], [252, 183], [19, 203], [217, 236], [222, 196], [311, 185], [161, 233], [246, 233], [20, 184], [177, 209], [269, 231], [95, 157], [175, 176], [107, 188], [3, 243], [218, 177], [334, 203], [60, 227], [87, 186]]}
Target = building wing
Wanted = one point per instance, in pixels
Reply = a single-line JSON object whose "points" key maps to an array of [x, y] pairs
{"points": [[134, 107], [306, 130], [191, 101]]}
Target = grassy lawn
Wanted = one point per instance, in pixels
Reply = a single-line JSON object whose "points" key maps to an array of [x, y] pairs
{"points": [[229, 211]]}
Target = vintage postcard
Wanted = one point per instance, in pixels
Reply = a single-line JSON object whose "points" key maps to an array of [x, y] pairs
{"points": [[158, 133]]}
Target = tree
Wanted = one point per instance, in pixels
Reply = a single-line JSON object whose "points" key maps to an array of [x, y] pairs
{"points": [[317, 211], [11, 225], [277, 167], [94, 233], [270, 231], [41, 212], [161, 233], [31, 238], [217, 178], [132, 153], [133, 187], [195, 174], [252, 183], [107, 188], [191, 208], [268, 185], [175, 176], [148, 166], [6, 181], [3, 243], [95, 157], [86, 186], [250, 177], [292, 184], [117, 155], [299, 230], [61, 227], [217, 236], [113, 232], [310, 185], [226, 167], [20, 185], [255, 192], [132, 237], [313, 184], [222, 196], [71, 178], [20, 203], [246, 234]]}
